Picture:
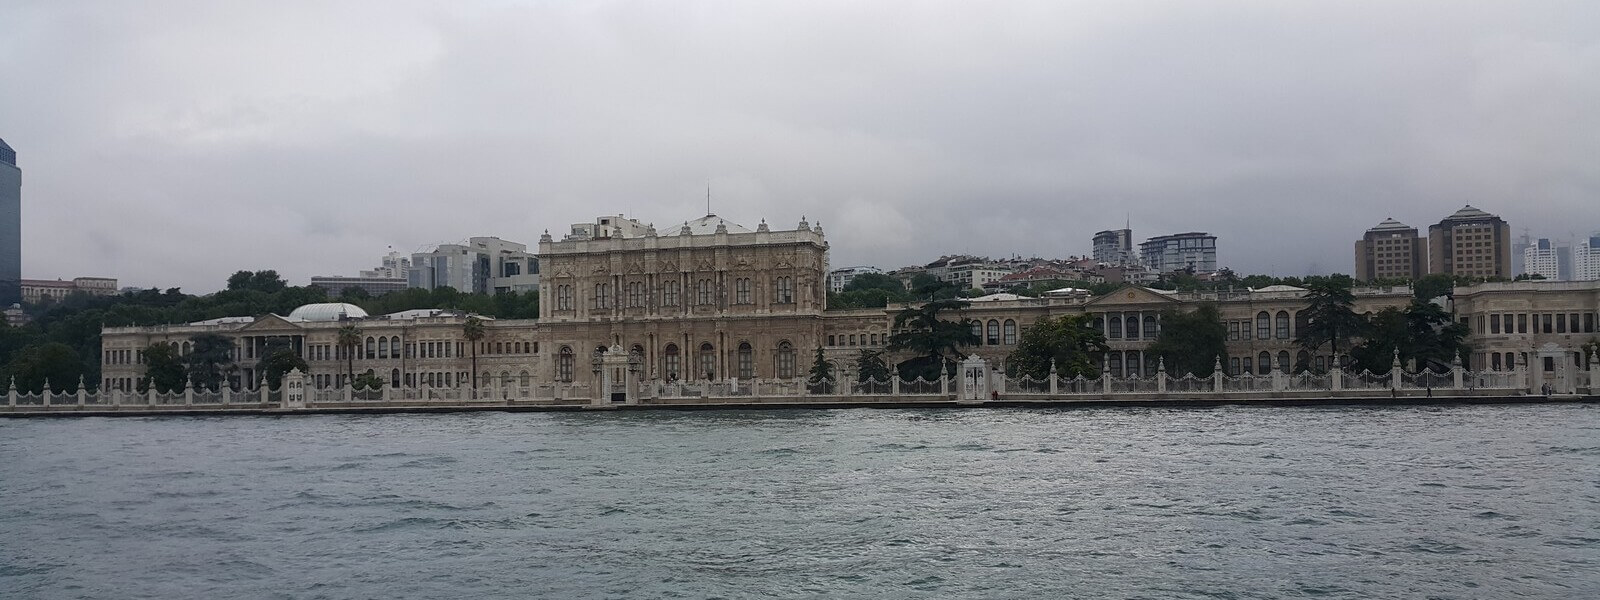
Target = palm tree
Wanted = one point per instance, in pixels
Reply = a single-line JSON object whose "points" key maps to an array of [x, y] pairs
{"points": [[473, 331], [350, 341]]}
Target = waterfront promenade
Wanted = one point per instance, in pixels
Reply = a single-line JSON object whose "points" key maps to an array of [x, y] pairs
{"points": [[975, 386]]}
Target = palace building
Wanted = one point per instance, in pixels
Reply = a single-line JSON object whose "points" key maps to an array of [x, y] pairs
{"points": [[710, 299]]}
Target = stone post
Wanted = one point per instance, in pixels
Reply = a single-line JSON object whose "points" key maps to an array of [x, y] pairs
{"points": [[1216, 375], [227, 392], [422, 391], [1105, 378], [188, 392], [46, 393], [1161, 374], [11, 393], [1395, 370], [1458, 373], [81, 396], [1594, 373], [384, 394], [1335, 377], [150, 395], [894, 383], [1280, 380], [1053, 388]]}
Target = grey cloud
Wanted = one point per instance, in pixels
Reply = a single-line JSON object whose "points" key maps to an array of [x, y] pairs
{"points": [[171, 143]]}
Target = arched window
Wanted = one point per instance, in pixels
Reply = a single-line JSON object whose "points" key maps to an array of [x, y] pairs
{"points": [[671, 363], [994, 333], [783, 289], [747, 366], [669, 293], [1116, 330], [1116, 361], [564, 364], [394, 378], [977, 330], [708, 361], [1010, 332], [505, 379], [1264, 362], [785, 360], [1131, 324], [1283, 325], [1130, 363], [1263, 326], [524, 379], [741, 290], [702, 292], [1302, 361], [1151, 329], [1283, 362], [372, 348]]}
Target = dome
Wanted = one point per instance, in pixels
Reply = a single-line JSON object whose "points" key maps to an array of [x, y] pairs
{"points": [[328, 311]]}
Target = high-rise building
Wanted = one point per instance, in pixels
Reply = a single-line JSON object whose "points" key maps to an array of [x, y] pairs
{"points": [[1392, 250], [484, 265], [1196, 251], [1542, 258], [1586, 259], [10, 227], [1114, 247], [1472, 243]]}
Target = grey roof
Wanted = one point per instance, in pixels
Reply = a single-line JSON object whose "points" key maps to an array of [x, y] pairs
{"points": [[707, 225], [8, 155], [1390, 224], [1468, 212]]}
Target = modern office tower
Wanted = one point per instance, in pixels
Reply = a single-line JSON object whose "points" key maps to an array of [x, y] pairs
{"points": [[1586, 259], [1392, 250], [1541, 258], [484, 265], [1114, 247], [1195, 250], [1472, 243], [10, 227], [1519, 248]]}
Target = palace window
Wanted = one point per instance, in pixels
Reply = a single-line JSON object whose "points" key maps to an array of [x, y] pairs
{"points": [[1151, 326], [747, 367], [1263, 326], [1010, 332], [563, 297], [785, 360], [702, 292], [671, 362], [602, 295], [784, 288], [669, 293], [708, 361], [741, 290], [564, 364], [1283, 324], [1494, 325], [994, 333], [372, 348], [1116, 328]]}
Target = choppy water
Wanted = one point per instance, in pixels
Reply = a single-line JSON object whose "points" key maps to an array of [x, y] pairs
{"points": [[1413, 502]]}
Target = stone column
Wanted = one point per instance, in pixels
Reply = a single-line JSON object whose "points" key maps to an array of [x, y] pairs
{"points": [[1335, 378], [1216, 375], [1594, 373], [188, 392], [1279, 381], [1161, 374], [227, 392], [1395, 369], [1053, 389], [1457, 373], [81, 397]]}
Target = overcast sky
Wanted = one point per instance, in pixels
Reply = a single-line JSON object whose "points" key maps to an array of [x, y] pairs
{"points": [[170, 144]]}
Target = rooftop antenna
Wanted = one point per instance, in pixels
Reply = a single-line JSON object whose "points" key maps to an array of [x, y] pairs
{"points": [[708, 197]]}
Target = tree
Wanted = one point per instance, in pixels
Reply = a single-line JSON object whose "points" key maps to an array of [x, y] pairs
{"points": [[472, 330], [368, 381], [349, 339], [928, 287], [1433, 285], [1422, 334], [54, 364], [870, 366], [1330, 318], [163, 368], [205, 363], [936, 342], [1071, 343], [1192, 342], [279, 358], [821, 374], [875, 281]]}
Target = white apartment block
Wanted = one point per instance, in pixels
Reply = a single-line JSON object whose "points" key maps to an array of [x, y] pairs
{"points": [[1542, 258], [838, 278], [1586, 259], [974, 275]]}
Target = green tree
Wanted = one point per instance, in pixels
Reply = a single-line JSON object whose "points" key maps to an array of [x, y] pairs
{"points": [[1192, 342], [820, 378], [368, 381], [871, 366], [207, 362], [1330, 318], [1423, 334], [935, 342], [54, 364], [875, 281], [472, 330], [1070, 342], [927, 287], [1433, 285], [163, 368], [279, 358], [349, 339]]}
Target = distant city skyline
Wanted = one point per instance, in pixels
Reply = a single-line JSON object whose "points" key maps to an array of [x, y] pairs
{"points": [[167, 146]]}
